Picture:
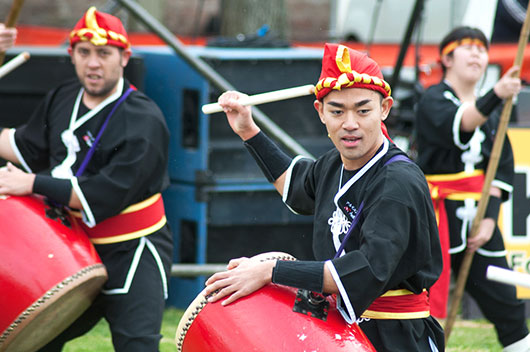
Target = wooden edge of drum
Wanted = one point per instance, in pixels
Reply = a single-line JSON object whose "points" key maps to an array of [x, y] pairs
{"points": [[88, 280], [273, 256], [187, 319], [200, 301]]}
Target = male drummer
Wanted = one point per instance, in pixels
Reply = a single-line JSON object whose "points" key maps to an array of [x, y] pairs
{"points": [[375, 238], [120, 183]]}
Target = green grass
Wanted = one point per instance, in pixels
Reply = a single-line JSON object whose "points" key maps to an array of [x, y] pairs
{"points": [[473, 336], [98, 339], [467, 336]]}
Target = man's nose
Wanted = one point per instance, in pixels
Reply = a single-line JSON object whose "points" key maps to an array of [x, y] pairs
{"points": [[350, 121], [93, 60]]}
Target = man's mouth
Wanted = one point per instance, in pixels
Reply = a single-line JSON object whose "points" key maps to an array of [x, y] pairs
{"points": [[350, 141], [93, 77]]}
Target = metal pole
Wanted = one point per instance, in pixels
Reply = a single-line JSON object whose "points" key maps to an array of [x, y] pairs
{"points": [[194, 270], [210, 74], [418, 8]]}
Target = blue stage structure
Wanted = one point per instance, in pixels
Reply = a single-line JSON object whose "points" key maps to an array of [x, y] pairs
{"points": [[219, 205]]}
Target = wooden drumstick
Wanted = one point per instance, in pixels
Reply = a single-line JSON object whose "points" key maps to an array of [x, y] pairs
{"points": [[509, 277], [14, 63], [276, 95]]}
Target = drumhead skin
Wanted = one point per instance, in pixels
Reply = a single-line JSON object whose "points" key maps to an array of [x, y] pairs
{"points": [[49, 273], [265, 321]]}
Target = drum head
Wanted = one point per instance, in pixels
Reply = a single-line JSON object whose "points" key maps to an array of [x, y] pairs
{"points": [[54, 311]]}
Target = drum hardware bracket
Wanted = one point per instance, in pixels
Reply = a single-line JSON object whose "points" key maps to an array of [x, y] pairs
{"points": [[312, 304], [57, 212]]}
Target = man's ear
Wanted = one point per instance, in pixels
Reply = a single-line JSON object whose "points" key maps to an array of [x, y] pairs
{"points": [[125, 56], [319, 107], [447, 60], [386, 105]]}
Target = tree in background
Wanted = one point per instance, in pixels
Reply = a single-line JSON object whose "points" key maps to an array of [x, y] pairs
{"points": [[248, 16]]}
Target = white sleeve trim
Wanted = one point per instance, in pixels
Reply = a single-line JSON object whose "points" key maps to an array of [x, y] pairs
{"points": [[88, 217], [13, 144], [287, 183], [348, 315], [456, 127], [502, 185], [491, 254]]}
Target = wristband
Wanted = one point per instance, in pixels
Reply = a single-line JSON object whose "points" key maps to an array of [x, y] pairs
{"points": [[272, 161], [492, 210], [57, 189], [488, 102], [308, 275]]}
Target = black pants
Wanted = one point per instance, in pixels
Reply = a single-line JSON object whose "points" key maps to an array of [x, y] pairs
{"points": [[398, 335], [134, 317], [498, 302]]}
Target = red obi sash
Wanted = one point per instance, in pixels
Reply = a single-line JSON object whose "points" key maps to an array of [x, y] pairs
{"points": [[459, 186], [399, 304], [137, 220]]}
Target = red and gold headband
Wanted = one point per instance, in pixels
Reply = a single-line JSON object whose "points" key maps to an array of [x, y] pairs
{"points": [[99, 28], [343, 67], [464, 41]]}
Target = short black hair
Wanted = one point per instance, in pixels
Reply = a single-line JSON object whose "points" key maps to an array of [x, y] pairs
{"points": [[459, 33]]}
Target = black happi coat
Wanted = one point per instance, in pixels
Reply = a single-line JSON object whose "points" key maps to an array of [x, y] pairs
{"points": [[444, 149], [130, 163], [395, 244]]}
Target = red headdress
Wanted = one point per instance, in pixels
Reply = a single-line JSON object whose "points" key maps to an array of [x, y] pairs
{"points": [[343, 67], [100, 29]]}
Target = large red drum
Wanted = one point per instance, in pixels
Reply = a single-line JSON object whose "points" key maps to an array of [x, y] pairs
{"points": [[49, 273], [265, 321]]}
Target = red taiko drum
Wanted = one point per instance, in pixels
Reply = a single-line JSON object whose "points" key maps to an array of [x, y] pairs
{"points": [[265, 321], [49, 273]]}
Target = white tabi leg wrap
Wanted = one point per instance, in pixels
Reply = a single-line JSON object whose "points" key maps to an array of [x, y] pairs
{"points": [[522, 345]]}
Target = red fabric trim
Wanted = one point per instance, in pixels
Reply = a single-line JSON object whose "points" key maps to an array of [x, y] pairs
{"points": [[408, 303], [325, 90], [125, 223], [385, 131], [440, 190]]}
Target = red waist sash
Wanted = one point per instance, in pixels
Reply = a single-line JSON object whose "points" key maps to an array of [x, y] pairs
{"points": [[137, 220], [399, 304], [459, 186]]}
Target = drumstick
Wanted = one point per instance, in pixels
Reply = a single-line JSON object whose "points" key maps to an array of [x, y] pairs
{"points": [[263, 98], [505, 276], [14, 63]]}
